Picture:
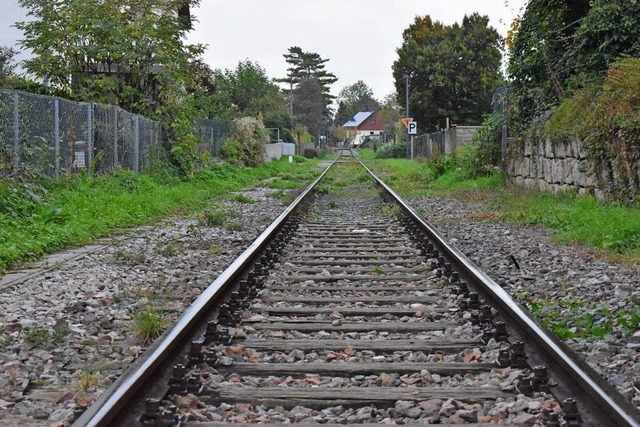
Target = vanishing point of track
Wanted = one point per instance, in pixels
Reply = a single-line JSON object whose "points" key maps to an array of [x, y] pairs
{"points": [[351, 300]]}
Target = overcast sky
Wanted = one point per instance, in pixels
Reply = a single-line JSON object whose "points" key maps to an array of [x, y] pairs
{"points": [[359, 37]]}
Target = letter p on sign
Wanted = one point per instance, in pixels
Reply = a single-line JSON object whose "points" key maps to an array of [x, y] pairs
{"points": [[412, 128]]}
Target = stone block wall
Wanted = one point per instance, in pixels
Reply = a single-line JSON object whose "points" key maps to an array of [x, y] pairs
{"points": [[552, 167]]}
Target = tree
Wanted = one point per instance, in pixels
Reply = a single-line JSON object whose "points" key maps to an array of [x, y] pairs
{"points": [[307, 65], [452, 70], [541, 54], [352, 99], [392, 114], [561, 46], [309, 105], [121, 52], [245, 91], [6, 64]]}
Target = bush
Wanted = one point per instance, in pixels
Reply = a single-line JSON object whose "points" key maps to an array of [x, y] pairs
{"points": [[395, 151], [311, 153], [245, 146]]}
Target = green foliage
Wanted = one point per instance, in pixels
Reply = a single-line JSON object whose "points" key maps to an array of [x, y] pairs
{"points": [[308, 65], [310, 88], [246, 144], [562, 46], [116, 52], [606, 118], [148, 322], [213, 217], [234, 226], [7, 66], [39, 220], [453, 70], [391, 150], [241, 198], [44, 336], [482, 157], [578, 219], [246, 91]]}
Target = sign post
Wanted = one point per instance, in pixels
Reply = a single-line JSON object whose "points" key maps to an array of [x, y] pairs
{"points": [[412, 129]]}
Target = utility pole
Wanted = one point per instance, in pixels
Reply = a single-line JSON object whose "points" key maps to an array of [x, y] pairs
{"points": [[406, 114]]}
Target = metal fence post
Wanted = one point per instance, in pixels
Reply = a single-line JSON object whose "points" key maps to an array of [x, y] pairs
{"points": [[89, 135], [136, 143], [115, 137], [505, 140], [56, 135], [16, 133]]}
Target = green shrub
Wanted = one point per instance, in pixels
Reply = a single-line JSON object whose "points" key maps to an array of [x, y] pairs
{"points": [[246, 143], [392, 151]]}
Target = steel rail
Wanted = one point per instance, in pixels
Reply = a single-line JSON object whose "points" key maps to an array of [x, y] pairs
{"points": [[106, 410], [609, 401]]}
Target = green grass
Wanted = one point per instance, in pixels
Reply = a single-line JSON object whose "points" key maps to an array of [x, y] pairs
{"points": [[584, 220], [40, 219], [574, 219], [148, 323]]}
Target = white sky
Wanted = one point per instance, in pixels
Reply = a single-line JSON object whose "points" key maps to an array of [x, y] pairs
{"points": [[359, 37]]}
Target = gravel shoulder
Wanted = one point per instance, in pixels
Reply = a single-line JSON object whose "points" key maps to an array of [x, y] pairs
{"points": [[574, 280], [66, 335]]}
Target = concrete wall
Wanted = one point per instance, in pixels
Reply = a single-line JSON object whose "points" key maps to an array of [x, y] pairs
{"points": [[279, 149]]}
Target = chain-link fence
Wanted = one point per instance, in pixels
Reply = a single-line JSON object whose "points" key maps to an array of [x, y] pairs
{"points": [[428, 146], [54, 136], [211, 135]]}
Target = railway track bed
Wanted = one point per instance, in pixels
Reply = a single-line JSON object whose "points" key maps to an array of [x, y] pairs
{"points": [[351, 312]]}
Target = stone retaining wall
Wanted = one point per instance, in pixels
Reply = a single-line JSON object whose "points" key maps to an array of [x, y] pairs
{"points": [[551, 167]]}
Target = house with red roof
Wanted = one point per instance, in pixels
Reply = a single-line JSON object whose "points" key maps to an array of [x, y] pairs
{"points": [[364, 124]]}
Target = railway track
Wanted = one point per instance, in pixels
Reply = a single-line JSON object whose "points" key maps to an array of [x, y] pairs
{"points": [[350, 309]]}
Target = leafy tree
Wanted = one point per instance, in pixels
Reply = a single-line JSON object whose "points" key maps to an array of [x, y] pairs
{"points": [[541, 59], [309, 93], [245, 91], [452, 70], [352, 99], [6, 64], [118, 51], [610, 30], [392, 114], [563, 45]]}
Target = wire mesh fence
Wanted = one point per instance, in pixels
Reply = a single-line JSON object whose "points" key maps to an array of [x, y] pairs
{"points": [[55, 136], [211, 135]]}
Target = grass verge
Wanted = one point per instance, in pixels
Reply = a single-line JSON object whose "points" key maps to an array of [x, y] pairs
{"points": [[40, 219], [574, 219]]}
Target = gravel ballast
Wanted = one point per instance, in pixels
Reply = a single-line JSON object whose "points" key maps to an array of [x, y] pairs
{"points": [[67, 334]]}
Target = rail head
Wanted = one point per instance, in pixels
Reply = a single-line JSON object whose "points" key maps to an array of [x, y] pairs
{"points": [[607, 399]]}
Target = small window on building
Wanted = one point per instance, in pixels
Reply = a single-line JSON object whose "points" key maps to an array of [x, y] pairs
{"points": [[372, 121], [371, 133]]}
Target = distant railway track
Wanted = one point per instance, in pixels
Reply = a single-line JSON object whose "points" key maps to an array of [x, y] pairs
{"points": [[351, 308]]}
